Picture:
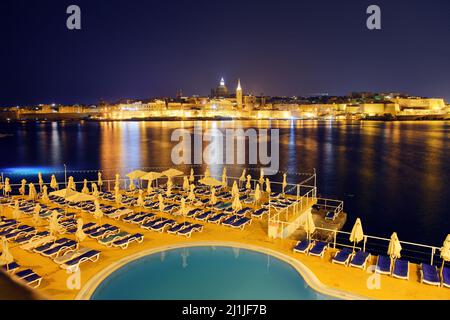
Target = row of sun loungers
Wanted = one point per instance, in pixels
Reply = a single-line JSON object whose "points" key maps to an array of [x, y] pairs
{"points": [[111, 236], [152, 222], [359, 259]]}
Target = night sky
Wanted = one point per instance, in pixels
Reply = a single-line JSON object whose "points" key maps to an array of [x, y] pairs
{"points": [[142, 49]]}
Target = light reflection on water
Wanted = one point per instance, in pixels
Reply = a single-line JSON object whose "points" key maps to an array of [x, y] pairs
{"points": [[393, 175]]}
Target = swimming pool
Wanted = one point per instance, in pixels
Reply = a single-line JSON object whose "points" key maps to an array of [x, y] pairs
{"points": [[206, 273]]}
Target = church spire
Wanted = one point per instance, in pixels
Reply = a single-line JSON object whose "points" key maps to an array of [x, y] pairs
{"points": [[239, 85], [222, 82]]}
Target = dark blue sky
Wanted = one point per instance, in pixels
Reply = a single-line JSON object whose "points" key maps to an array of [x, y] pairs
{"points": [[139, 49]]}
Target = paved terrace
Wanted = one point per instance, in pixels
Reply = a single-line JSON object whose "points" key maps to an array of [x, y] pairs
{"points": [[342, 281]]}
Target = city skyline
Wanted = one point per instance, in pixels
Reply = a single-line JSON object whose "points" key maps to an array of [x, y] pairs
{"points": [[153, 49]]}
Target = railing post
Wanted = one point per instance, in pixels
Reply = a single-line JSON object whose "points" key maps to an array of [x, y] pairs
{"points": [[364, 244], [335, 236], [433, 251]]}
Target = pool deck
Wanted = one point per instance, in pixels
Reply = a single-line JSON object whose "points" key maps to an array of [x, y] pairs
{"points": [[319, 273]]}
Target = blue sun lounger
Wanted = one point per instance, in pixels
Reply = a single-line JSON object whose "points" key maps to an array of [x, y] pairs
{"points": [[107, 241], [125, 242], [360, 259], [103, 232], [343, 256], [74, 264], [12, 229], [178, 227], [50, 245], [203, 216], [31, 237], [383, 265], [30, 277], [133, 216], [143, 218], [150, 224], [330, 215], [318, 249], [230, 220], [93, 230], [260, 213], [12, 267], [446, 277], [241, 223], [303, 246], [160, 226], [193, 212], [243, 211], [401, 269], [217, 218], [187, 232], [22, 232], [55, 251], [429, 274]]}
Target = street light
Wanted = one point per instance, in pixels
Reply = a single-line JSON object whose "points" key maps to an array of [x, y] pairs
{"points": [[65, 174]]}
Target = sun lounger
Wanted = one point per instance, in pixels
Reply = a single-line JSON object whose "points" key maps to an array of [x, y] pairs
{"points": [[56, 251], [330, 215], [22, 232], [193, 212], [318, 249], [383, 265], [343, 256], [70, 255], [105, 232], [171, 208], [243, 211], [89, 226], [114, 237], [31, 237], [119, 213], [49, 245], [303, 246], [74, 264], [11, 267], [230, 220], [162, 225], [125, 242], [360, 259], [241, 223], [260, 213], [37, 242], [187, 232], [29, 277], [217, 218], [143, 218], [446, 277], [132, 216], [204, 215], [401, 269], [178, 227], [151, 223], [429, 274]]}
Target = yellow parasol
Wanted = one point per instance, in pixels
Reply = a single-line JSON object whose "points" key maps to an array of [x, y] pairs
{"points": [[53, 183], [357, 234], [79, 234], [85, 189]]}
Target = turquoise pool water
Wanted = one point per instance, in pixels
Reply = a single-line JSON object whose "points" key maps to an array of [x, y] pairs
{"points": [[206, 273]]}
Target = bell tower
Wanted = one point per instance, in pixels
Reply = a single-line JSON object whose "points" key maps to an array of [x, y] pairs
{"points": [[239, 95]]}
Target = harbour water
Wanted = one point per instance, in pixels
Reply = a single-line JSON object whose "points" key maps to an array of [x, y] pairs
{"points": [[393, 175]]}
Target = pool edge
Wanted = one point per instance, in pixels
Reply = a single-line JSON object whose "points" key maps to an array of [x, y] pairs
{"points": [[311, 279]]}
